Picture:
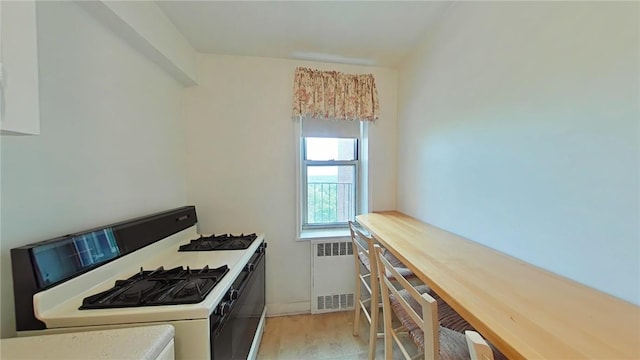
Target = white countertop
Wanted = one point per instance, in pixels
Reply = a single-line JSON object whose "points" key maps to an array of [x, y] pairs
{"points": [[128, 343]]}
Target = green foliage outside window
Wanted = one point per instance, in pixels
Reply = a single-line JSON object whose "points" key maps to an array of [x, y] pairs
{"points": [[328, 202]]}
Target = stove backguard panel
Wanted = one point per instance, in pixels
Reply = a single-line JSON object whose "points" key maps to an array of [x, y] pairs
{"points": [[42, 265]]}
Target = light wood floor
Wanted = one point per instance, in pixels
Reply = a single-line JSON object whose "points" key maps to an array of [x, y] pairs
{"points": [[323, 336]]}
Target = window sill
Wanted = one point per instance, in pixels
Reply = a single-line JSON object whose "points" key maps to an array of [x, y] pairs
{"points": [[322, 234]]}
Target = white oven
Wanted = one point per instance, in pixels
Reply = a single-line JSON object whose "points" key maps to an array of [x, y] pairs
{"points": [[54, 278]]}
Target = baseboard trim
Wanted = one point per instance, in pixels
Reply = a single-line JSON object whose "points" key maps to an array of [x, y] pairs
{"points": [[300, 307]]}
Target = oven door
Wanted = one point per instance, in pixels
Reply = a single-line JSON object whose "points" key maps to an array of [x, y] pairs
{"points": [[235, 321]]}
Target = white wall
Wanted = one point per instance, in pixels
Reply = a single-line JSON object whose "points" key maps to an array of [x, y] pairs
{"points": [[241, 163], [148, 29], [111, 144], [518, 127]]}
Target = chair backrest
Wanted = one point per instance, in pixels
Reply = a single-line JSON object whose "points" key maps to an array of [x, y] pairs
{"points": [[421, 310], [425, 317], [478, 347], [366, 278], [362, 249]]}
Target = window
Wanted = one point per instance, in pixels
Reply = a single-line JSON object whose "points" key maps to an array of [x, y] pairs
{"points": [[329, 181]]}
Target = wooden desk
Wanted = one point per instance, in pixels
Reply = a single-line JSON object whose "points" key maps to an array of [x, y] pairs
{"points": [[525, 311]]}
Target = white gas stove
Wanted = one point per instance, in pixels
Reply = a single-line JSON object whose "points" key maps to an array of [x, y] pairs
{"points": [[229, 282]]}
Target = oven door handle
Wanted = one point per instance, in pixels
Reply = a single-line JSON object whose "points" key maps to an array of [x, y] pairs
{"points": [[250, 267], [247, 269], [217, 328], [225, 316]]}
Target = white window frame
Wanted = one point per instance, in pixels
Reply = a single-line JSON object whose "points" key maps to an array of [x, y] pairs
{"points": [[304, 198], [362, 191]]}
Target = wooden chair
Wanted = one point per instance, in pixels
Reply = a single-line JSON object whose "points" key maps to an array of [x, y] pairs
{"points": [[367, 278], [418, 314], [478, 347]]}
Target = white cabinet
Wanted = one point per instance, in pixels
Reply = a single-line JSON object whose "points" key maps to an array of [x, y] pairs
{"points": [[20, 104]]}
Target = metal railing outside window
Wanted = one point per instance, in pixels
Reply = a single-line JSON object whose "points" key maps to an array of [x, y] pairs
{"points": [[330, 203]]}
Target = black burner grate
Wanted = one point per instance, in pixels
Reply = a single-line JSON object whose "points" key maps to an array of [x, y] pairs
{"points": [[158, 287], [220, 242]]}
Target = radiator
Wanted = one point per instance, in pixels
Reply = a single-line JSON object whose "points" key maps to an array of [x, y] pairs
{"points": [[332, 276]]}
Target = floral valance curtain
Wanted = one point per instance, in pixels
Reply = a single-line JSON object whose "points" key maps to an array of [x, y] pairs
{"points": [[334, 95]]}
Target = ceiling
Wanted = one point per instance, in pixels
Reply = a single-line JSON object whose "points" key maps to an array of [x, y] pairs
{"points": [[376, 33]]}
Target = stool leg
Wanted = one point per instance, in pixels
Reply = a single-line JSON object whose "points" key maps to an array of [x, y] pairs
{"points": [[388, 326], [373, 329], [356, 319], [358, 294]]}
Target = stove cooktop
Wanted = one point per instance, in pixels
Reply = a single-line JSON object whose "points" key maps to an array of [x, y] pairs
{"points": [[158, 287], [219, 242]]}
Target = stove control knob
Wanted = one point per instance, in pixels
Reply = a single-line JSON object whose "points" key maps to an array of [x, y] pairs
{"points": [[222, 309], [249, 267], [232, 294]]}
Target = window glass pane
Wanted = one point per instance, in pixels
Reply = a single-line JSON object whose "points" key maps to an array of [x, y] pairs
{"points": [[331, 194], [62, 259], [323, 149]]}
